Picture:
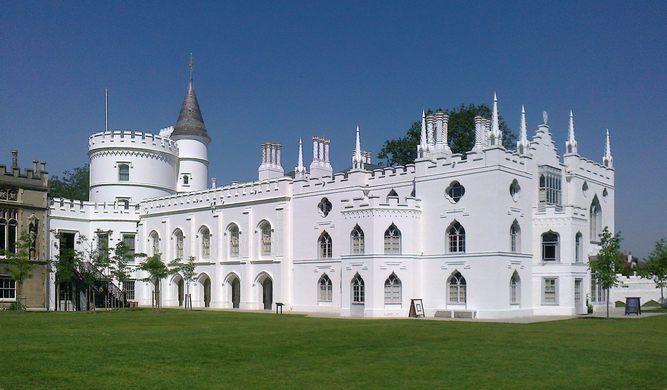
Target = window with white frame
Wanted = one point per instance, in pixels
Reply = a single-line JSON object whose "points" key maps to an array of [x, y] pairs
{"points": [[597, 292], [515, 289], [7, 287], [392, 290], [595, 219], [128, 241], [357, 238], [550, 186], [578, 248], [123, 172], [154, 241], [325, 291], [550, 247], [123, 203], [205, 237], [358, 289], [456, 237], [325, 247], [128, 287], [103, 246], [234, 242], [265, 241], [178, 243], [550, 291], [457, 289], [515, 237], [392, 240]]}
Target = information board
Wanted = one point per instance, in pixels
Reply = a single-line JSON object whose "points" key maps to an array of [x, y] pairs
{"points": [[416, 308], [633, 306]]}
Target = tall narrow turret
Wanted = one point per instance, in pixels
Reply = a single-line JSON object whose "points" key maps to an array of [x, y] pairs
{"points": [[571, 143], [192, 138], [300, 170], [496, 135], [607, 160], [422, 139], [357, 158], [522, 144]]}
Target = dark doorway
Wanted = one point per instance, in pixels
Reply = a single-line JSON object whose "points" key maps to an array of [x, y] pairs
{"points": [[236, 293], [207, 292], [267, 289], [181, 292]]}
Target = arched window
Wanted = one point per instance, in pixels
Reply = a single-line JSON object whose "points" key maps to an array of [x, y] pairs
{"points": [[392, 240], [457, 288], [154, 240], [455, 191], [324, 243], [324, 207], [324, 289], [357, 238], [123, 172], [265, 241], [392, 290], [515, 289], [515, 237], [550, 249], [456, 237], [3, 234], [178, 242], [595, 219], [205, 236], [578, 248], [357, 289], [12, 235], [234, 245]]}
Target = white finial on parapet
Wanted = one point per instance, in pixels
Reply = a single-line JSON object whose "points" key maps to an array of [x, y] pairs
{"points": [[496, 135], [571, 143], [300, 170], [608, 160], [422, 140], [522, 144], [357, 161]]}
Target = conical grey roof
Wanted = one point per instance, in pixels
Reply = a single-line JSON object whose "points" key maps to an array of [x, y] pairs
{"points": [[190, 121]]}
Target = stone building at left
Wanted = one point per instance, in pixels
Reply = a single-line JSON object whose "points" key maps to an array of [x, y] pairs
{"points": [[23, 208]]}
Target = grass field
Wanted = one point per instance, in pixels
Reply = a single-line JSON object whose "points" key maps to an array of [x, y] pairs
{"points": [[210, 349]]}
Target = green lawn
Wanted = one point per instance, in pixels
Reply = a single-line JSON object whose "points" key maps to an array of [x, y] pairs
{"points": [[200, 349]]}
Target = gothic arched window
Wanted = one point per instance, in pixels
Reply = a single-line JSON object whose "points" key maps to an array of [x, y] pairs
{"points": [[595, 219], [325, 291], [178, 242], [515, 237], [234, 245], [265, 241], [515, 289], [392, 290], [392, 240], [205, 239], [457, 288], [325, 247], [358, 289], [357, 239], [456, 237]]}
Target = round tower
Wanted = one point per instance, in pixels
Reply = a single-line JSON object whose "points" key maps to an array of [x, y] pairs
{"points": [[192, 139]]}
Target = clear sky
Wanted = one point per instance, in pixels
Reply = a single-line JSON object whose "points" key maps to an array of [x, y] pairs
{"points": [[276, 71]]}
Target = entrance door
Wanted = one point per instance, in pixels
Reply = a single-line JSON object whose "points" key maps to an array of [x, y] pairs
{"points": [[236, 293], [207, 292], [578, 301], [181, 292], [267, 289]]}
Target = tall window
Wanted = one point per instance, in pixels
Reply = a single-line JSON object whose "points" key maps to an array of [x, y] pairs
{"points": [[515, 289], [179, 243], [12, 234], [103, 246], [456, 235], [128, 241], [515, 237], [324, 289], [128, 287], [154, 240], [550, 250], [186, 180], [357, 289], [234, 241], [3, 234], [324, 243], [597, 292], [357, 238], [550, 291], [7, 288], [265, 244], [578, 248], [550, 186], [392, 290], [123, 172], [595, 220], [457, 288], [392, 240], [205, 235]]}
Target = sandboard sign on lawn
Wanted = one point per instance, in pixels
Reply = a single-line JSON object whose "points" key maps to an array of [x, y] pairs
{"points": [[632, 306], [416, 308]]}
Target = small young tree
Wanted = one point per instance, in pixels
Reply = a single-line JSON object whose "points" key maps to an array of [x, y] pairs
{"points": [[655, 267], [157, 270], [122, 256], [187, 270], [20, 267], [608, 264]]}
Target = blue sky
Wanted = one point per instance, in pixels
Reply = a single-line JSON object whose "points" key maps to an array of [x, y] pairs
{"points": [[276, 71]]}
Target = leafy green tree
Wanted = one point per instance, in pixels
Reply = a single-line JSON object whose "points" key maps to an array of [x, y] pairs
{"points": [[157, 271], [655, 267], [73, 185], [187, 270], [120, 260], [608, 263], [20, 267], [460, 135]]}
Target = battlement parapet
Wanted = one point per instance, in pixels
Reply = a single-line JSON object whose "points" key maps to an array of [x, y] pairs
{"points": [[583, 166], [379, 203], [131, 139], [83, 209]]}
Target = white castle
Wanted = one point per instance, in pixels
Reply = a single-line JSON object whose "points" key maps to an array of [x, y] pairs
{"points": [[494, 233]]}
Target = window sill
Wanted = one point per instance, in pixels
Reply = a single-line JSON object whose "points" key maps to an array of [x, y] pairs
{"points": [[549, 304]]}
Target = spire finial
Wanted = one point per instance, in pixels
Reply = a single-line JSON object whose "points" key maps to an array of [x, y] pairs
{"points": [[522, 144], [300, 169], [495, 122], [357, 160], [608, 160], [571, 143], [190, 66]]}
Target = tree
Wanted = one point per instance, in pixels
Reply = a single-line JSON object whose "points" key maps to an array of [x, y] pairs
{"points": [[608, 263], [20, 267], [73, 185], [157, 270], [460, 135], [120, 271], [655, 267], [187, 270]]}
